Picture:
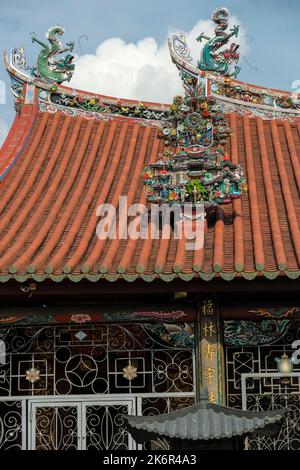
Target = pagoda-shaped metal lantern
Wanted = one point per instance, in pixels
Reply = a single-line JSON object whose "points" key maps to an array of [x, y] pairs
{"points": [[204, 426]]}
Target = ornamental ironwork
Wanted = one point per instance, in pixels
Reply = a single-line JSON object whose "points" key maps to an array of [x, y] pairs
{"points": [[107, 370], [254, 383], [11, 423], [93, 359], [83, 422], [273, 392], [56, 428]]}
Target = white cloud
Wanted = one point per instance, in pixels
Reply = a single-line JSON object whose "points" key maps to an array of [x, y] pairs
{"points": [[139, 71], [3, 131], [142, 71]]}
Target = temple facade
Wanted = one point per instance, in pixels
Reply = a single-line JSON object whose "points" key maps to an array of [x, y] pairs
{"points": [[147, 251]]}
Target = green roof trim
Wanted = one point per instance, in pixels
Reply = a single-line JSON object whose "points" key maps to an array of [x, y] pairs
{"points": [[140, 268], [177, 268], [186, 276], [197, 268], [292, 274], [249, 276], [130, 277], [239, 267], [12, 269], [217, 268], [148, 277], [111, 277], [207, 276], [31, 269], [58, 277], [67, 269], [85, 269], [228, 276], [167, 277], [22, 277], [282, 266], [158, 269], [259, 266], [39, 277], [76, 277], [271, 274], [93, 277], [121, 269]]}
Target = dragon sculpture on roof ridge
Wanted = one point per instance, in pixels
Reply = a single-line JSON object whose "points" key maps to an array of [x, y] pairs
{"points": [[50, 65], [213, 58]]}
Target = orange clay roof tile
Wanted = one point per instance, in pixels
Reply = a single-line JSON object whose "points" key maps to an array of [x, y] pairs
{"points": [[67, 166]]}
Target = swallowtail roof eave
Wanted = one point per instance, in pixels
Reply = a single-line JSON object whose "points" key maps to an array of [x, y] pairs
{"points": [[253, 237]]}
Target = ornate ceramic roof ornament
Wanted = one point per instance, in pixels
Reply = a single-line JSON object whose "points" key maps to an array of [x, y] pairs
{"points": [[212, 75], [215, 70], [213, 57], [51, 66], [195, 167]]}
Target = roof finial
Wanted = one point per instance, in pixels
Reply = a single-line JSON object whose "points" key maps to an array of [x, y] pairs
{"points": [[212, 58], [47, 68]]}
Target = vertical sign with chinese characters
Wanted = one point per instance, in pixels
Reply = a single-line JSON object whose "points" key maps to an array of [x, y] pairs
{"points": [[210, 349]]}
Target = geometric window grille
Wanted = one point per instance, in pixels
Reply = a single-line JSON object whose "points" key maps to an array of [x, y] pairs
{"points": [[253, 383], [101, 367], [89, 359]]}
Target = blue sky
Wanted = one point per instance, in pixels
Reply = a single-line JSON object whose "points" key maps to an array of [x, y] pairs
{"points": [[272, 28]]}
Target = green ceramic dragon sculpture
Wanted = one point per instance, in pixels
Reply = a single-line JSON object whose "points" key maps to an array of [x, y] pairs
{"points": [[50, 67], [220, 61]]}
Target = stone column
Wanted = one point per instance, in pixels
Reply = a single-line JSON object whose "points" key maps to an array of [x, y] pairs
{"points": [[210, 371]]}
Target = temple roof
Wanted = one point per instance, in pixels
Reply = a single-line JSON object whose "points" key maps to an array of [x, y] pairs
{"points": [[57, 167], [202, 421], [70, 151]]}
